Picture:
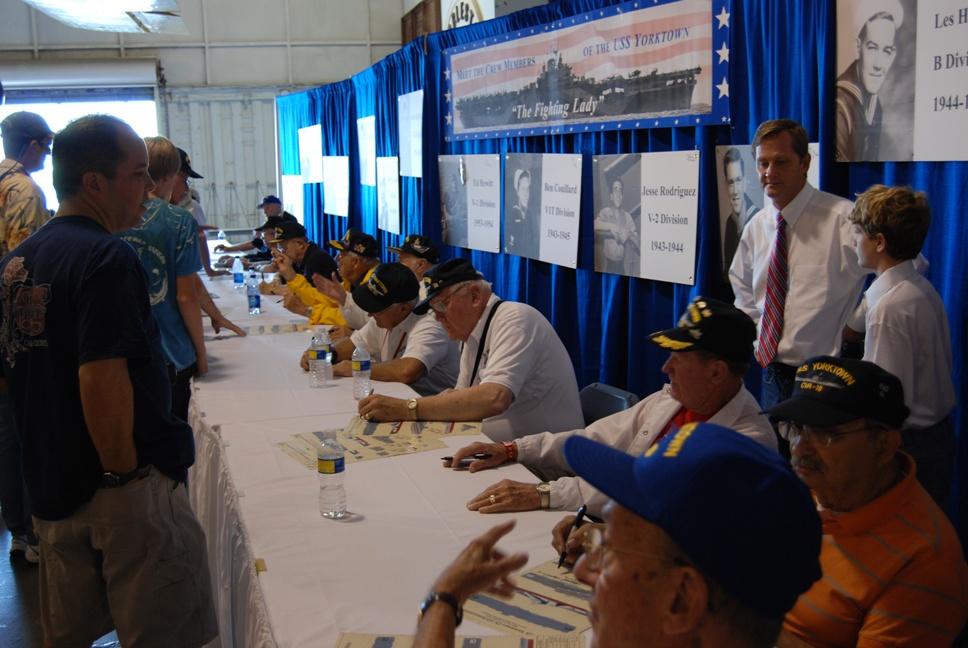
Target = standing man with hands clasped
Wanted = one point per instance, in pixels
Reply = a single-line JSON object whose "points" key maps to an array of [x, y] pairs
{"points": [[105, 459]]}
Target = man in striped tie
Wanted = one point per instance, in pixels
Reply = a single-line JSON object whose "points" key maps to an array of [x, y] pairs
{"points": [[795, 271]]}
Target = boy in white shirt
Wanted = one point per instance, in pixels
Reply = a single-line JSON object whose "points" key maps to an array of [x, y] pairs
{"points": [[907, 327]]}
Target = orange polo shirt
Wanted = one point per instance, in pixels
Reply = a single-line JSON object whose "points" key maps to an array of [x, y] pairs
{"points": [[893, 575]]}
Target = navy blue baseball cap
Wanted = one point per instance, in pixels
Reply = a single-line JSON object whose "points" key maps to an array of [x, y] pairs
{"points": [[388, 284], [733, 506], [444, 275], [269, 200]]}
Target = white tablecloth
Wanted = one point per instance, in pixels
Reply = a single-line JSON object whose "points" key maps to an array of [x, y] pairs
{"points": [[322, 577]]}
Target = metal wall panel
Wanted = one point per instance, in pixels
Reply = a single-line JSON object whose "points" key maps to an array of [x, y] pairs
{"points": [[230, 135]]}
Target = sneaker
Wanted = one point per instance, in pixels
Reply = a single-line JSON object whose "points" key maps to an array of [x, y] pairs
{"points": [[21, 543]]}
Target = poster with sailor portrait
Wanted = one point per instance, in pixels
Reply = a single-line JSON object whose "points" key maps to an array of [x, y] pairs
{"points": [[741, 194], [470, 201], [542, 198]]}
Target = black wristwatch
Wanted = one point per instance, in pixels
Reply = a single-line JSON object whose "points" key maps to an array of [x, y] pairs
{"points": [[117, 480], [449, 599]]}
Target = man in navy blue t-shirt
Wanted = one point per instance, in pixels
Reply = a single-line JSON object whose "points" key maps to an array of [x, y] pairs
{"points": [[105, 461]]}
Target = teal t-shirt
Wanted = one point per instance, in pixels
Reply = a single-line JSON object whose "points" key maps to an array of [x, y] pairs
{"points": [[167, 245]]}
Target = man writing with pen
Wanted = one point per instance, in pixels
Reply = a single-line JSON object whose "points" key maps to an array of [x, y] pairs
{"points": [[403, 346], [710, 351]]}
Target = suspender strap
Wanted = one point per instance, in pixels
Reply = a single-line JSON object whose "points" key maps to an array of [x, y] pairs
{"points": [[480, 348]]}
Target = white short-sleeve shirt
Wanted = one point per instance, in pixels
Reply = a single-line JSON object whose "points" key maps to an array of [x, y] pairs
{"points": [[421, 338], [523, 353], [907, 335]]}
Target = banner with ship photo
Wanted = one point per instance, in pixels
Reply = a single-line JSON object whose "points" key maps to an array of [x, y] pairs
{"points": [[626, 66], [646, 215], [470, 201], [542, 200]]}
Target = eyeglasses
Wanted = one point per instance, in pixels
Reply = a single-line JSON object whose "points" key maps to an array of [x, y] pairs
{"points": [[442, 305], [45, 144], [795, 432], [595, 547]]}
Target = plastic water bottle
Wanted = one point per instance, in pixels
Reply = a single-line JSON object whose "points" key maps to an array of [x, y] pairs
{"points": [[361, 373], [238, 273], [326, 364], [221, 235], [252, 292], [320, 364], [331, 466]]}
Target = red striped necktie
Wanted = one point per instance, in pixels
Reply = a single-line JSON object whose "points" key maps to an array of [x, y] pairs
{"points": [[777, 282]]}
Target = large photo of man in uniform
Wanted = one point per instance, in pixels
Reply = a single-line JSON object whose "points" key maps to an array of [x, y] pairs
{"points": [[453, 202], [740, 207], [618, 234], [876, 42], [522, 205]]}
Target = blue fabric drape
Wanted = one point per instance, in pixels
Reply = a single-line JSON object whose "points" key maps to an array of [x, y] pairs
{"points": [[782, 65]]}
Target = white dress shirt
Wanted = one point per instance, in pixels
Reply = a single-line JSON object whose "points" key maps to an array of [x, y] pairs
{"points": [[825, 279], [907, 335], [524, 354], [421, 338], [632, 431]]}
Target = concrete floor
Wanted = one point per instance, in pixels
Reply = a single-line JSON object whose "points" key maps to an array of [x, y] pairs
{"points": [[19, 602]]}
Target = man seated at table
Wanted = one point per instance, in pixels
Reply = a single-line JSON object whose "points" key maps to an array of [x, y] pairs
{"points": [[710, 351], [297, 259], [419, 253], [261, 253], [894, 572], [358, 255], [403, 346], [515, 374], [709, 540]]}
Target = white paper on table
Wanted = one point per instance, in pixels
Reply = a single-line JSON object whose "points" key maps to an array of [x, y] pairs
{"points": [[670, 188], [336, 191], [366, 142], [311, 153], [388, 194], [410, 133]]}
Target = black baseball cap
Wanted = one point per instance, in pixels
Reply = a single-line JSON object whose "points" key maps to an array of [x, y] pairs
{"points": [[25, 125], [831, 391], [356, 241], [419, 246], [287, 230], [448, 273], [711, 325], [269, 200], [317, 261], [271, 221], [186, 165], [389, 284]]}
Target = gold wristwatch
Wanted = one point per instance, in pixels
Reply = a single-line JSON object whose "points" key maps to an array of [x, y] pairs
{"points": [[412, 408], [544, 493]]}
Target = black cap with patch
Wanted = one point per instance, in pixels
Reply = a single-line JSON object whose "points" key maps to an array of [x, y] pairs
{"points": [[186, 165], [419, 246], [271, 222], [287, 230], [713, 326], [448, 273], [389, 284], [831, 391], [358, 242]]}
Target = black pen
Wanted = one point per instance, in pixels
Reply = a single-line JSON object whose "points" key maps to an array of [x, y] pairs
{"points": [[579, 517], [479, 455]]}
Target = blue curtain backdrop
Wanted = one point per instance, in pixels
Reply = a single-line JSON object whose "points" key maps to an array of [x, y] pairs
{"points": [[782, 60]]}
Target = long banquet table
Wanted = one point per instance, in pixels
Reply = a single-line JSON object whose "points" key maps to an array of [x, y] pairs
{"points": [[282, 574]]}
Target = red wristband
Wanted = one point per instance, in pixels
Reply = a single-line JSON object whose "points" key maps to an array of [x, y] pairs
{"points": [[512, 449]]}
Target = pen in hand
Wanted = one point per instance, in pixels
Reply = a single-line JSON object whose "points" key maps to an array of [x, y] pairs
{"points": [[579, 518]]}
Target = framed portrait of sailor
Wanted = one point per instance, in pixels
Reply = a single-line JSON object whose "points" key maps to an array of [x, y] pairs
{"points": [[617, 195], [522, 205], [741, 194], [875, 86], [453, 201]]}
